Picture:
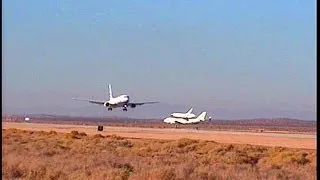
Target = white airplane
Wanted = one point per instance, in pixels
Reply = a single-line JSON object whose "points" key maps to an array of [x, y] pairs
{"points": [[187, 115], [115, 102], [173, 120]]}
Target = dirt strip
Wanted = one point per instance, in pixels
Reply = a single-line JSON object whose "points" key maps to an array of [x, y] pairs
{"points": [[305, 141]]}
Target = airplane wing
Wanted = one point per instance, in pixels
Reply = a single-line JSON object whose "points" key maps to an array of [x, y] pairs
{"points": [[90, 101], [142, 103]]}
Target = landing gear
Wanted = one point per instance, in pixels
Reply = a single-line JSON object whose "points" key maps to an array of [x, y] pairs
{"points": [[109, 109], [125, 108]]}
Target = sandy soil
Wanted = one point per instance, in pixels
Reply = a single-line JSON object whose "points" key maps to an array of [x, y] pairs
{"points": [[266, 139]]}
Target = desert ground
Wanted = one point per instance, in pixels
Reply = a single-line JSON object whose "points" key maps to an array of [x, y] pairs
{"points": [[46, 151], [291, 140]]}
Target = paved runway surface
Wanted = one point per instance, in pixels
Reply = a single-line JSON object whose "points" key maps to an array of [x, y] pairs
{"points": [[266, 139]]}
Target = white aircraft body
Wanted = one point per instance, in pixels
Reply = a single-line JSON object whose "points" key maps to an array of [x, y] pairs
{"points": [[187, 115], [173, 120], [115, 102]]}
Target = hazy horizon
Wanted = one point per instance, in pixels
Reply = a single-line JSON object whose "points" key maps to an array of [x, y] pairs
{"points": [[136, 117], [235, 60]]}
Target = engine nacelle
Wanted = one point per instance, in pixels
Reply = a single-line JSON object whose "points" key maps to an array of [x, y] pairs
{"points": [[106, 104], [133, 105]]}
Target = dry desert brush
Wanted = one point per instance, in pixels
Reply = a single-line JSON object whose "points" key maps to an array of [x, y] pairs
{"points": [[76, 155]]}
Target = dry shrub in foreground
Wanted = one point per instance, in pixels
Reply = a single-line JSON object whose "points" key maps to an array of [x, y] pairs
{"points": [[51, 155]]}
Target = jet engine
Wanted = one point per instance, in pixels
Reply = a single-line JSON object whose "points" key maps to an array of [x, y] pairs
{"points": [[106, 104], [133, 105]]}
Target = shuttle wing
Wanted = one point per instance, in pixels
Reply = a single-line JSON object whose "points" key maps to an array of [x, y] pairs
{"points": [[142, 103], [90, 101]]}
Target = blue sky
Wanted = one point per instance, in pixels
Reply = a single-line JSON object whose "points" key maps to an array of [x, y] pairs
{"points": [[234, 59]]}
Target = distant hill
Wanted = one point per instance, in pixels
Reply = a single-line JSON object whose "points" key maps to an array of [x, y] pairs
{"points": [[264, 124], [267, 122]]}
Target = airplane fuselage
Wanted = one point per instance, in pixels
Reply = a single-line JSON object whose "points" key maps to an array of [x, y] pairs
{"points": [[119, 101], [172, 120]]}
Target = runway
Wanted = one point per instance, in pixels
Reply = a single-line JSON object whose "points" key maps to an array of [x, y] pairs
{"points": [[305, 141]]}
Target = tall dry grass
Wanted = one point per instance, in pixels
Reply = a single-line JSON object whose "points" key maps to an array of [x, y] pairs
{"points": [[51, 155]]}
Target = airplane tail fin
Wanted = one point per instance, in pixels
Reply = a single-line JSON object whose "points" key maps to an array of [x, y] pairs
{"points": [[110, 92], [190, 111], [202, 116]]}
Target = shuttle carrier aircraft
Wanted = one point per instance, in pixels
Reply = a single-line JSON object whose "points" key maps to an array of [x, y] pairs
{"points": [[175, 120], [115, 102]]}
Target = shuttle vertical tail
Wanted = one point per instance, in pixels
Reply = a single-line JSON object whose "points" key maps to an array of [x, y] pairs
{"points": [[190, 111], [110, 92], [202, 116]]}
